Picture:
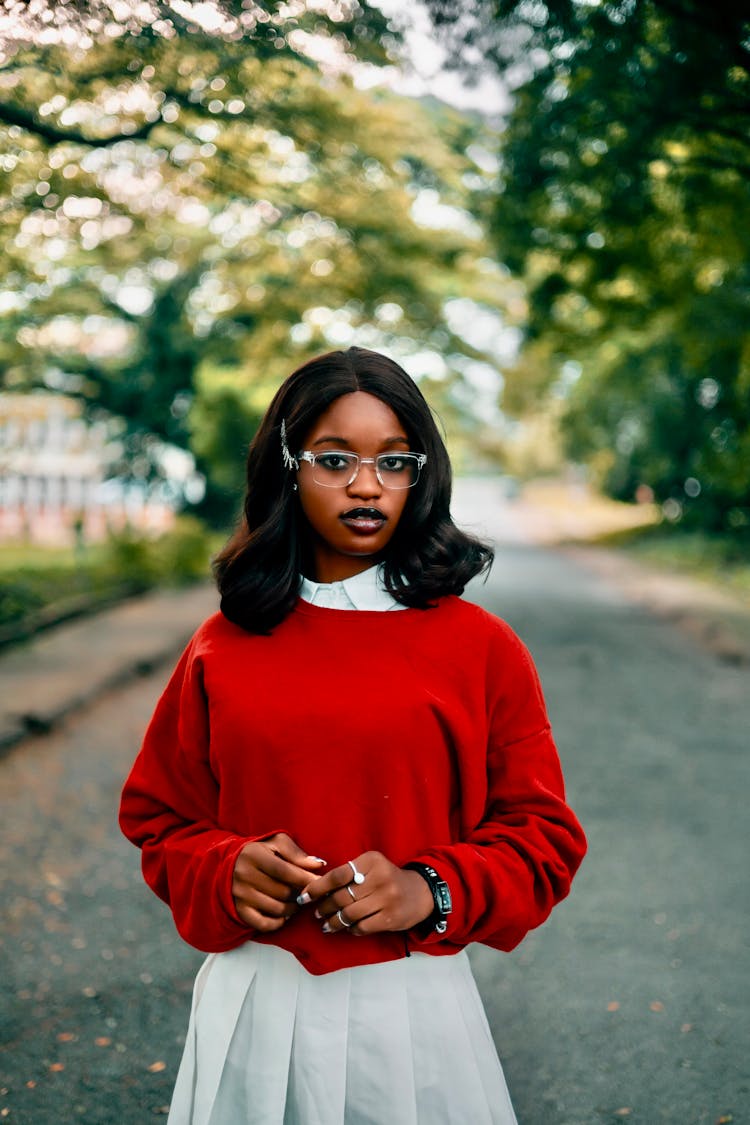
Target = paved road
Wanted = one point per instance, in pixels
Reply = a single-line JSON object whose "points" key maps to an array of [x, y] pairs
{"points": [[630, 1004]]}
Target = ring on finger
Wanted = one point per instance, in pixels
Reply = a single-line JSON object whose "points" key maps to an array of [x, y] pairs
{"points": [[343, 920], [351, 892], [357, 876]]}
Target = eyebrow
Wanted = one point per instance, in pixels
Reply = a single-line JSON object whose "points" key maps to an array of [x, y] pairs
{"points": [[344, 441]]}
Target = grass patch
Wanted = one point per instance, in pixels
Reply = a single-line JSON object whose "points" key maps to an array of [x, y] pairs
{"points": [[719, 559], [43, 586]]}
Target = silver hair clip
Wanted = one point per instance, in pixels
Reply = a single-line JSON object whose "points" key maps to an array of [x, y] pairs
{"points": [[289, 461]]}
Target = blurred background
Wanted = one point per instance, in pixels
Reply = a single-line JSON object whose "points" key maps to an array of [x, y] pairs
{"points": [[541, 209]]}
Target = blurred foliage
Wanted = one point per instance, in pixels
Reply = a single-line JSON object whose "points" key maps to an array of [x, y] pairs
{"points": [[719, 559], [40, 587], [179, 556], [198, 196], [624, 202]]}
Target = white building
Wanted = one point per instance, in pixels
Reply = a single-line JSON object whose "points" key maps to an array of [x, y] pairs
{"points": [[54, 475]]}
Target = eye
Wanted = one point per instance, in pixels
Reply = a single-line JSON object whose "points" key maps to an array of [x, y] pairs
{"points": [[393, 462], [335, 462]]}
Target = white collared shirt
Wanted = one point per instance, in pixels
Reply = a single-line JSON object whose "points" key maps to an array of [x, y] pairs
{"points": [[362, 591]]}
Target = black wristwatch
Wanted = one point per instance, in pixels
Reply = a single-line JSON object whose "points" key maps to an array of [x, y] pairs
{"points": [[441, 896]]}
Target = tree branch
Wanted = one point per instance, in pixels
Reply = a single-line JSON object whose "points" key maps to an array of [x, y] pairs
{"points": [[715, 164], [718, 128], [14, 115]]}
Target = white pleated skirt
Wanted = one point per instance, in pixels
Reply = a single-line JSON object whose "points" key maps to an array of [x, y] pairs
{"points": [[405, 1042]]}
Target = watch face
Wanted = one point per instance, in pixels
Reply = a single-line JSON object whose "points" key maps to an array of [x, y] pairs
{"points": [[444, 898]]}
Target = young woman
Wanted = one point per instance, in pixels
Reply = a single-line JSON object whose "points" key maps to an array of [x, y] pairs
{"points": [[349, 777]]}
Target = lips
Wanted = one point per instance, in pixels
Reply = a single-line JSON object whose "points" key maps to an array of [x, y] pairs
{"points": [[364, 521]]}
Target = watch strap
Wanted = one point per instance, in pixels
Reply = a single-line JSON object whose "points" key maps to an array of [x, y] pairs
{"points": [[441, 896]]}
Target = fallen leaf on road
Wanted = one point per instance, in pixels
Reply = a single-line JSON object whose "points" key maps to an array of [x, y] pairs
{"points": [[725, 1119], [57, 1066], [102, 1041], [624, 1112], [656, 1006], [613, 1006], [157, 1066], [688, 1027], [65, 1037], [30, 1084]]}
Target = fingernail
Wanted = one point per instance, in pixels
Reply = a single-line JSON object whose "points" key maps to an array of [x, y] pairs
{"points": [[318, 914], [303, 899], [327, 929], [317, 859]]}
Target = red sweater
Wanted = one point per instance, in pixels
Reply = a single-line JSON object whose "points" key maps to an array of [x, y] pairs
{"points": [[420, 733]]}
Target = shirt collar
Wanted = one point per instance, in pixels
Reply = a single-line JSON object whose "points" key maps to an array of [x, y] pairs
{"points": [[362, 591]]}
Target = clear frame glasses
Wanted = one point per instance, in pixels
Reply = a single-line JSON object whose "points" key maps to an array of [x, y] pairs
{"points": [[339, 468]]}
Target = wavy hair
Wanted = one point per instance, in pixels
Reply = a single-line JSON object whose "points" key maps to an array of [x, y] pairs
{"points": [[258, 571]]}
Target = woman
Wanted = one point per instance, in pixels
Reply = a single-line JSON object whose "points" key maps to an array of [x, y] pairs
{"points": [[349, 777]]}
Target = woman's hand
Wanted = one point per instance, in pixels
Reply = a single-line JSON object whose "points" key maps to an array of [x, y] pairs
{"points": [[389, 898], [268, 876]]}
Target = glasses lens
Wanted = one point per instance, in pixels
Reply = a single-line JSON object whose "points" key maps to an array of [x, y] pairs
{"points": [[334, 469], [398, 470]]}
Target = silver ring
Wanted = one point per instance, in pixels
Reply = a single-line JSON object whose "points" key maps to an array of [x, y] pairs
{"points": [[358, 876], [348, 888], [343, 920]]}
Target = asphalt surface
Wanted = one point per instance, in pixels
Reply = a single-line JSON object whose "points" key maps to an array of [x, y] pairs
{"points": [[631, 1003]]}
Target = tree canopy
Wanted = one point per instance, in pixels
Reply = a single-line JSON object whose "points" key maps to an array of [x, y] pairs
{"points": [[198, 196], [624, 202]]}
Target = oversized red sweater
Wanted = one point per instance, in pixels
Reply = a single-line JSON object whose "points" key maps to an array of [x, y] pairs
{"points": [[420, 733]]}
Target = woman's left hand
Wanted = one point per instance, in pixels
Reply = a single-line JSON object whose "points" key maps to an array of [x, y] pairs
{"points": [[389, 898]]}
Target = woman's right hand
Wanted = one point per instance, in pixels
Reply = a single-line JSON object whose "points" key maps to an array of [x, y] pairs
{"points": [[268, 876]]}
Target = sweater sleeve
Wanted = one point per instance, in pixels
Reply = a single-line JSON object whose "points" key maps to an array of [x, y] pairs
{"points": [[169, 810], [507, 873]]}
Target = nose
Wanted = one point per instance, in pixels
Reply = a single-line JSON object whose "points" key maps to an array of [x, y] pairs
{"points": [[365, 485]]}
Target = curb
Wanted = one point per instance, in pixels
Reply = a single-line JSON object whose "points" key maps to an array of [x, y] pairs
{"points": [[32, 723], [67, 668]]}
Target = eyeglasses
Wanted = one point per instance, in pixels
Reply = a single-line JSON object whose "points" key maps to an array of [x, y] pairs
{"points": [[339, 469]]}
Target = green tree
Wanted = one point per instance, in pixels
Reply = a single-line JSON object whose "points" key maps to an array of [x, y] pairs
{"points": [[624, 202], [194, 206]]}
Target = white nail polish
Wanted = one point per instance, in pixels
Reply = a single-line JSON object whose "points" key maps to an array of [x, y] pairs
{"points": [[317, 859], [303, 899], [327, 929]]}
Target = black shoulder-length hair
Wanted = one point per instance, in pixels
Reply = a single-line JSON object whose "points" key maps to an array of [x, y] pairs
{"points": [[258, 571]]}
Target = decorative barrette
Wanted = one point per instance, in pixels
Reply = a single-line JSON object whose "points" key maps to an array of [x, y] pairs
{"points": [[290, 462]]}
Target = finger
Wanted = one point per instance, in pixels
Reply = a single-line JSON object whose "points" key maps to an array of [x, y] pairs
{"points": [[260, 922], [339, 900], [265, 904], [280, 869], [372, 924], [348, 918], [253, 878], [329, 883], [288, 849]]}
